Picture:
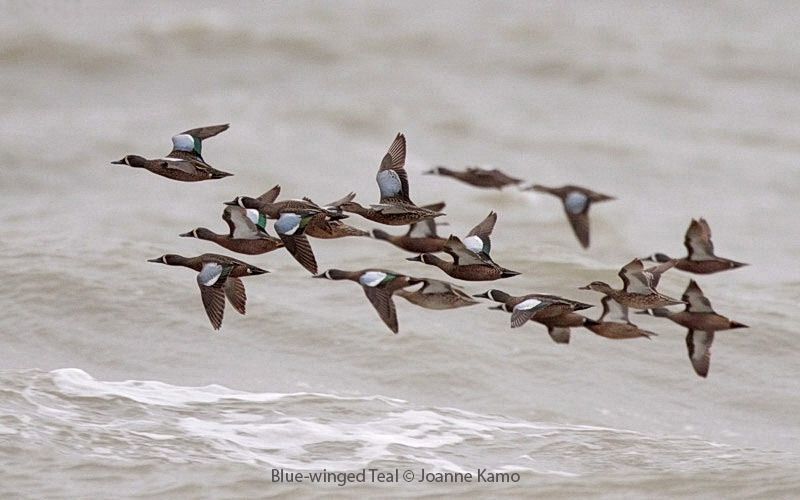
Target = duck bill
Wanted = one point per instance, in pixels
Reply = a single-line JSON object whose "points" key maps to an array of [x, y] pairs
{"points": [[231, 203], [484, 295], [418, 258], [496, 308], [187, 235], [119, 162], [157, 260], [584, 287]]}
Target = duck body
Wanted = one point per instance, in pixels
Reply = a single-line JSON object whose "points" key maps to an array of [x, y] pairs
{"points": [[466, 272], [411, 244], [436, 294], [614, 323], [255, 246], [391, 214], [185, 162], [478, 177]]}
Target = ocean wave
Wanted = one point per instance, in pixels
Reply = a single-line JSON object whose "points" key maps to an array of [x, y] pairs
{"points": [[76, 415]]}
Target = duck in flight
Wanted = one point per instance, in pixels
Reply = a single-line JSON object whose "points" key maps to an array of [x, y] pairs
{"points": [[379, 285], [395, 207], [639, 290], [185, 162], [247, 231], [437, 294], [471, 259], [614, 322], [700, 258], [421, 236], [702, 321], [552, 311], [218, 277], [577, 201], [477, 176]]}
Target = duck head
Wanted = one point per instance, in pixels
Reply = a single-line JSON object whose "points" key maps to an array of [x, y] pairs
{"points": [[597, 286], [199, 233], [657, 257], [131, 160], [494, 294], [332, 274], [169, 259]]}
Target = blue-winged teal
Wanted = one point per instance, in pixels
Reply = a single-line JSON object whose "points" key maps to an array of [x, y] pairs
{"points": [[639, 291], [701, 320], [614, 322], [395, 207], [700, 258], [576, 201], [471, 260], [184, 162], [477, 176], [437, 294], [552, 311], [378, 285], [218, 277], [247, 232], [421, 236]]}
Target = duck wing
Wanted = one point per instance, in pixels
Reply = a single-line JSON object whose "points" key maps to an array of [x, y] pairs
{"points": [[392, 177], [526, 310], [696, 302], [241, 223], [234, 290], [462, 256], [698, 241], [479, 238], [698, 344], [381, 300], [211, 280]]}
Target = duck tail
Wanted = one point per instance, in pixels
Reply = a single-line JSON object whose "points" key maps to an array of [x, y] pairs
{"points": [[379, 234], [508, 273]]}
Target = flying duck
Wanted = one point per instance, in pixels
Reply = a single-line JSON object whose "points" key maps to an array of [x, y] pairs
{"points": [[378, 285], [577, 201], [477, 176], [218, 277], [184, 162], [395, 207], [700, 258]]}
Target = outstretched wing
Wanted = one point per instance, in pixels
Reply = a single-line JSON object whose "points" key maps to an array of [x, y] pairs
{"points": [[696, 302], [189, 144], [613, 311], [271, 195], [526, 310], [381, 300], [392, 178], [698, 241], [234, 290], [211, 280], [462, 256], [479, 238], [698, 344]]}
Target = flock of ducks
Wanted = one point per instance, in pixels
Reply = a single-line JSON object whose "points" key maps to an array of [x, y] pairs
{"points": [[219, 277]]}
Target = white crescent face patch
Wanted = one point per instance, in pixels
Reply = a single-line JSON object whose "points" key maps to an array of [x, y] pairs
{"points": [[576, 202], [183, 142], [372, 278]]}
